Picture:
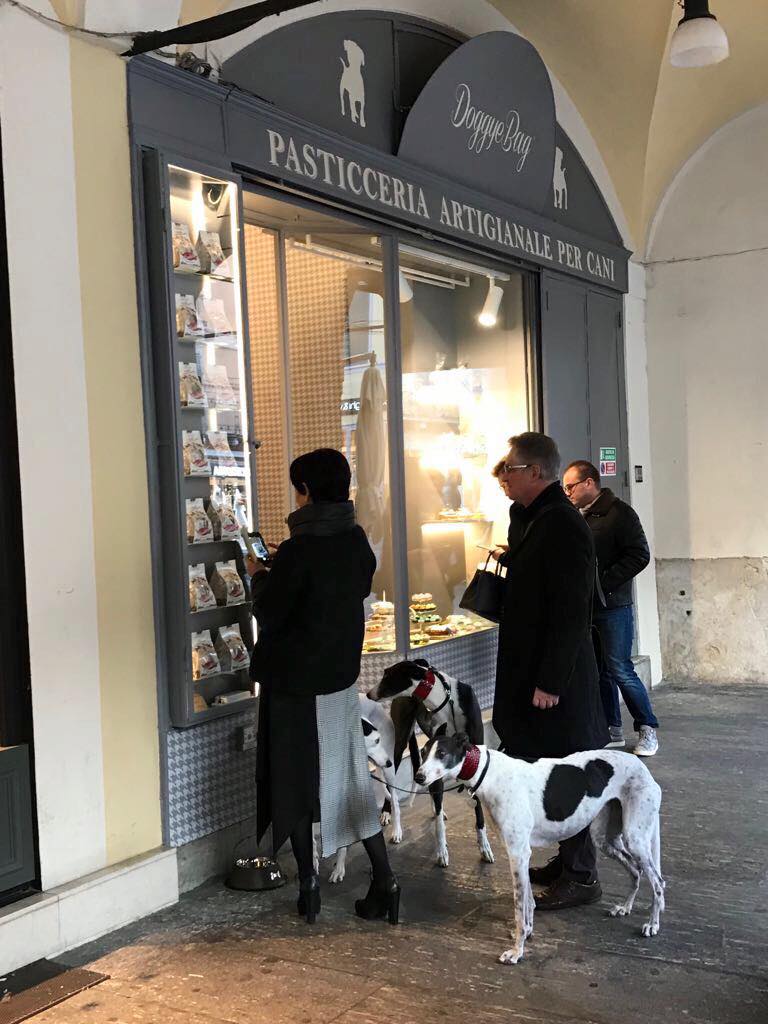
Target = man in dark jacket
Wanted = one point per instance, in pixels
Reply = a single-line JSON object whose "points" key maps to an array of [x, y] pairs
{"points": [[547, 701], [622, 552]]}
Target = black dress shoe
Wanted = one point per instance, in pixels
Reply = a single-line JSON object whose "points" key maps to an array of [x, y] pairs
{"points": [[308, 903], [547, 874], [567, 893], [382, 900]]}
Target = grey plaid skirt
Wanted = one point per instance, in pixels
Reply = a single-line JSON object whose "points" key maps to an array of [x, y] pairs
{"points": [[311, 760], [348, 811]]}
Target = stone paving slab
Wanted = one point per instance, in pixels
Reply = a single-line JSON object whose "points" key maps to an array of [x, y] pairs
{"points": [[242, 957]]}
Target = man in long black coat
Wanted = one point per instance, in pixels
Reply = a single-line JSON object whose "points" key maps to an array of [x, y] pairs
{"points": [[547, 701]]}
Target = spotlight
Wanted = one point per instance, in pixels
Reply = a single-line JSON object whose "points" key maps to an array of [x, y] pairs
{"points": [[406, 292], [698, 39], [490, 310]]}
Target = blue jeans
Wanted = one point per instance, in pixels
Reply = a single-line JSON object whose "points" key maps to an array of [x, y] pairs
{"points": [[615, 626]]}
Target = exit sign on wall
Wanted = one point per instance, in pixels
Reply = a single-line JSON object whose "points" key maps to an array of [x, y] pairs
{"points": [[607, 462]]}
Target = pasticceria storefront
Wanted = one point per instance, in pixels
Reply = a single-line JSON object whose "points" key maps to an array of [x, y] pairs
{"points": [[393, 249]]}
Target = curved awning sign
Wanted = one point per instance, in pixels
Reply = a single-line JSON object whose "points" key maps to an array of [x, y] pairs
{"points": [[486, 118]]}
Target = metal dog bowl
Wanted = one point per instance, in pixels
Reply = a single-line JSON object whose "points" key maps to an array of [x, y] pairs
{"points": [[255, 874]]}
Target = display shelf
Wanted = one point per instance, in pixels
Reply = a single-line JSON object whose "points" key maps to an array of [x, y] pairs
{"points": [[192, 274], [217, 340], [220, 676]]}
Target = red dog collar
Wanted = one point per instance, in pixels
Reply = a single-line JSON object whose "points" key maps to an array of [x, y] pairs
{"points": [[470, 764], [424, 688]]}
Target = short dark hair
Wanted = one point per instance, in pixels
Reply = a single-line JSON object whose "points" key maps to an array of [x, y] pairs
{"points": [[498, 469], [587, 470], [324, 474], [535, 449]]}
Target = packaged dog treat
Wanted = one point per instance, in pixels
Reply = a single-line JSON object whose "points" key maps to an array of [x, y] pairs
{"points": [[218, 387], [205, 660], [195, 460], [187, 324], [190, 386], [231, 649], [229, 528], [212, 316], [185, 259], [226, 583], [201, 597], [218, 446], [209, 252], [199, 525]]}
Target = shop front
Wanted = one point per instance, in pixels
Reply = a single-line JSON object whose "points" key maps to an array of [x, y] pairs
{"points": [[391, 249]]}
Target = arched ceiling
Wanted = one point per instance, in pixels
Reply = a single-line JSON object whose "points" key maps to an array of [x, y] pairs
{"points": [[646, 117]]}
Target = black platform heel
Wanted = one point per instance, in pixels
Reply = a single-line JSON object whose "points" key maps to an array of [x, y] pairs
{"points": [[308, 903], [381, 901]]}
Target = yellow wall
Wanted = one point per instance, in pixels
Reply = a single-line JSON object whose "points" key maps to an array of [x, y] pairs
{"points": [[118, 463]]}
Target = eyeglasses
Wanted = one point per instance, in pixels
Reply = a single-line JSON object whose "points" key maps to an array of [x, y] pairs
{"points": [[509, 468], [569, 487]]}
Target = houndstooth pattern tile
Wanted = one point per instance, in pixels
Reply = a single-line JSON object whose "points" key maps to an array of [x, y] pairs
{"points": [[211, 784]]}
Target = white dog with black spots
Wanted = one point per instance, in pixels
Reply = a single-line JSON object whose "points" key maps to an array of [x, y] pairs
{"points": [[544, 802]]}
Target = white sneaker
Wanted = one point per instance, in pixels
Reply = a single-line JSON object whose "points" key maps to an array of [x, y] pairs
{"points": [[617, 736], [648, 743]]}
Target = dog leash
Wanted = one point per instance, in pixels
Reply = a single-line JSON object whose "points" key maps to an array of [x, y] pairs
{"points": [[399, 789]]}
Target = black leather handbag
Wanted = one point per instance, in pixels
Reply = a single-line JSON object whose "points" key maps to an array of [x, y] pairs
{"points": [[485, 594]]}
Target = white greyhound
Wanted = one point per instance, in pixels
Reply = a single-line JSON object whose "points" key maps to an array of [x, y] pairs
{"points": [[550, 800]]}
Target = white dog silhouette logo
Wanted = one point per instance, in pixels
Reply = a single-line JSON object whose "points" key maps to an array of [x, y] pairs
{"points": [[559, 183], [352, 86]]}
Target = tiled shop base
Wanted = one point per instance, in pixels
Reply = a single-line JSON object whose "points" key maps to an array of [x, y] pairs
{"points": [[211, 784]]}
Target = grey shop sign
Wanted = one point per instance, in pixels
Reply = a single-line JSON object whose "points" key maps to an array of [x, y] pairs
{"points": [[408, 194]]}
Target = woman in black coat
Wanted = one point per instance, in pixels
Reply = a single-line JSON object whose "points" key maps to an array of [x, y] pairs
{"points": [[311, 759]]}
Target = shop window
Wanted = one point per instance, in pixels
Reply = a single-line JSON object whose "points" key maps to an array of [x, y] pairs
{"points": [[318, 374], [464, 394]]}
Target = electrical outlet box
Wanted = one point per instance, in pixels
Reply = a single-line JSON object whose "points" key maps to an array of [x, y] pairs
{"points": [[638, 474], [246, 737]]}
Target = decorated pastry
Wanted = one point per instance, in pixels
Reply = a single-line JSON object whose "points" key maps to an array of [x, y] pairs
{"points": [[440, 630]]}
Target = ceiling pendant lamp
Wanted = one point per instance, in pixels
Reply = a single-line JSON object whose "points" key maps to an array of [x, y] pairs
{"points": [[699, 39], [404, 287]]}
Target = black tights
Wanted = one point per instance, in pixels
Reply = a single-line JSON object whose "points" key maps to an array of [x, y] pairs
{"points": [[375, 847]]}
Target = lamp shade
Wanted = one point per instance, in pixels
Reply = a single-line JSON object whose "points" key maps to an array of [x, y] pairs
{"points": [[406, 292], [698, 41]]}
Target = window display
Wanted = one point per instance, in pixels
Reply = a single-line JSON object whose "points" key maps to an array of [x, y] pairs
{"points": [[213, 431], [315, 370], [464, 394]]}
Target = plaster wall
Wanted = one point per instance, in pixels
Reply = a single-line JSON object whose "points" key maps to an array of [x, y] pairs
{"points": [[707, 308]]}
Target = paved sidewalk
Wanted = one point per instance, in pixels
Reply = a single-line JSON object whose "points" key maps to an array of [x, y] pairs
{"points": [[247, 959]]}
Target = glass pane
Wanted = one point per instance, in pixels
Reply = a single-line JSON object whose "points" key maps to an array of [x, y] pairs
{"points": [[270, 416], [209, 352], [464, 394], [336, 332]]}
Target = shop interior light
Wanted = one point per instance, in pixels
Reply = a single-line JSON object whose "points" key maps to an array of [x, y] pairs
{"points": [[406, 292], [490, 311], [699, 39]]}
